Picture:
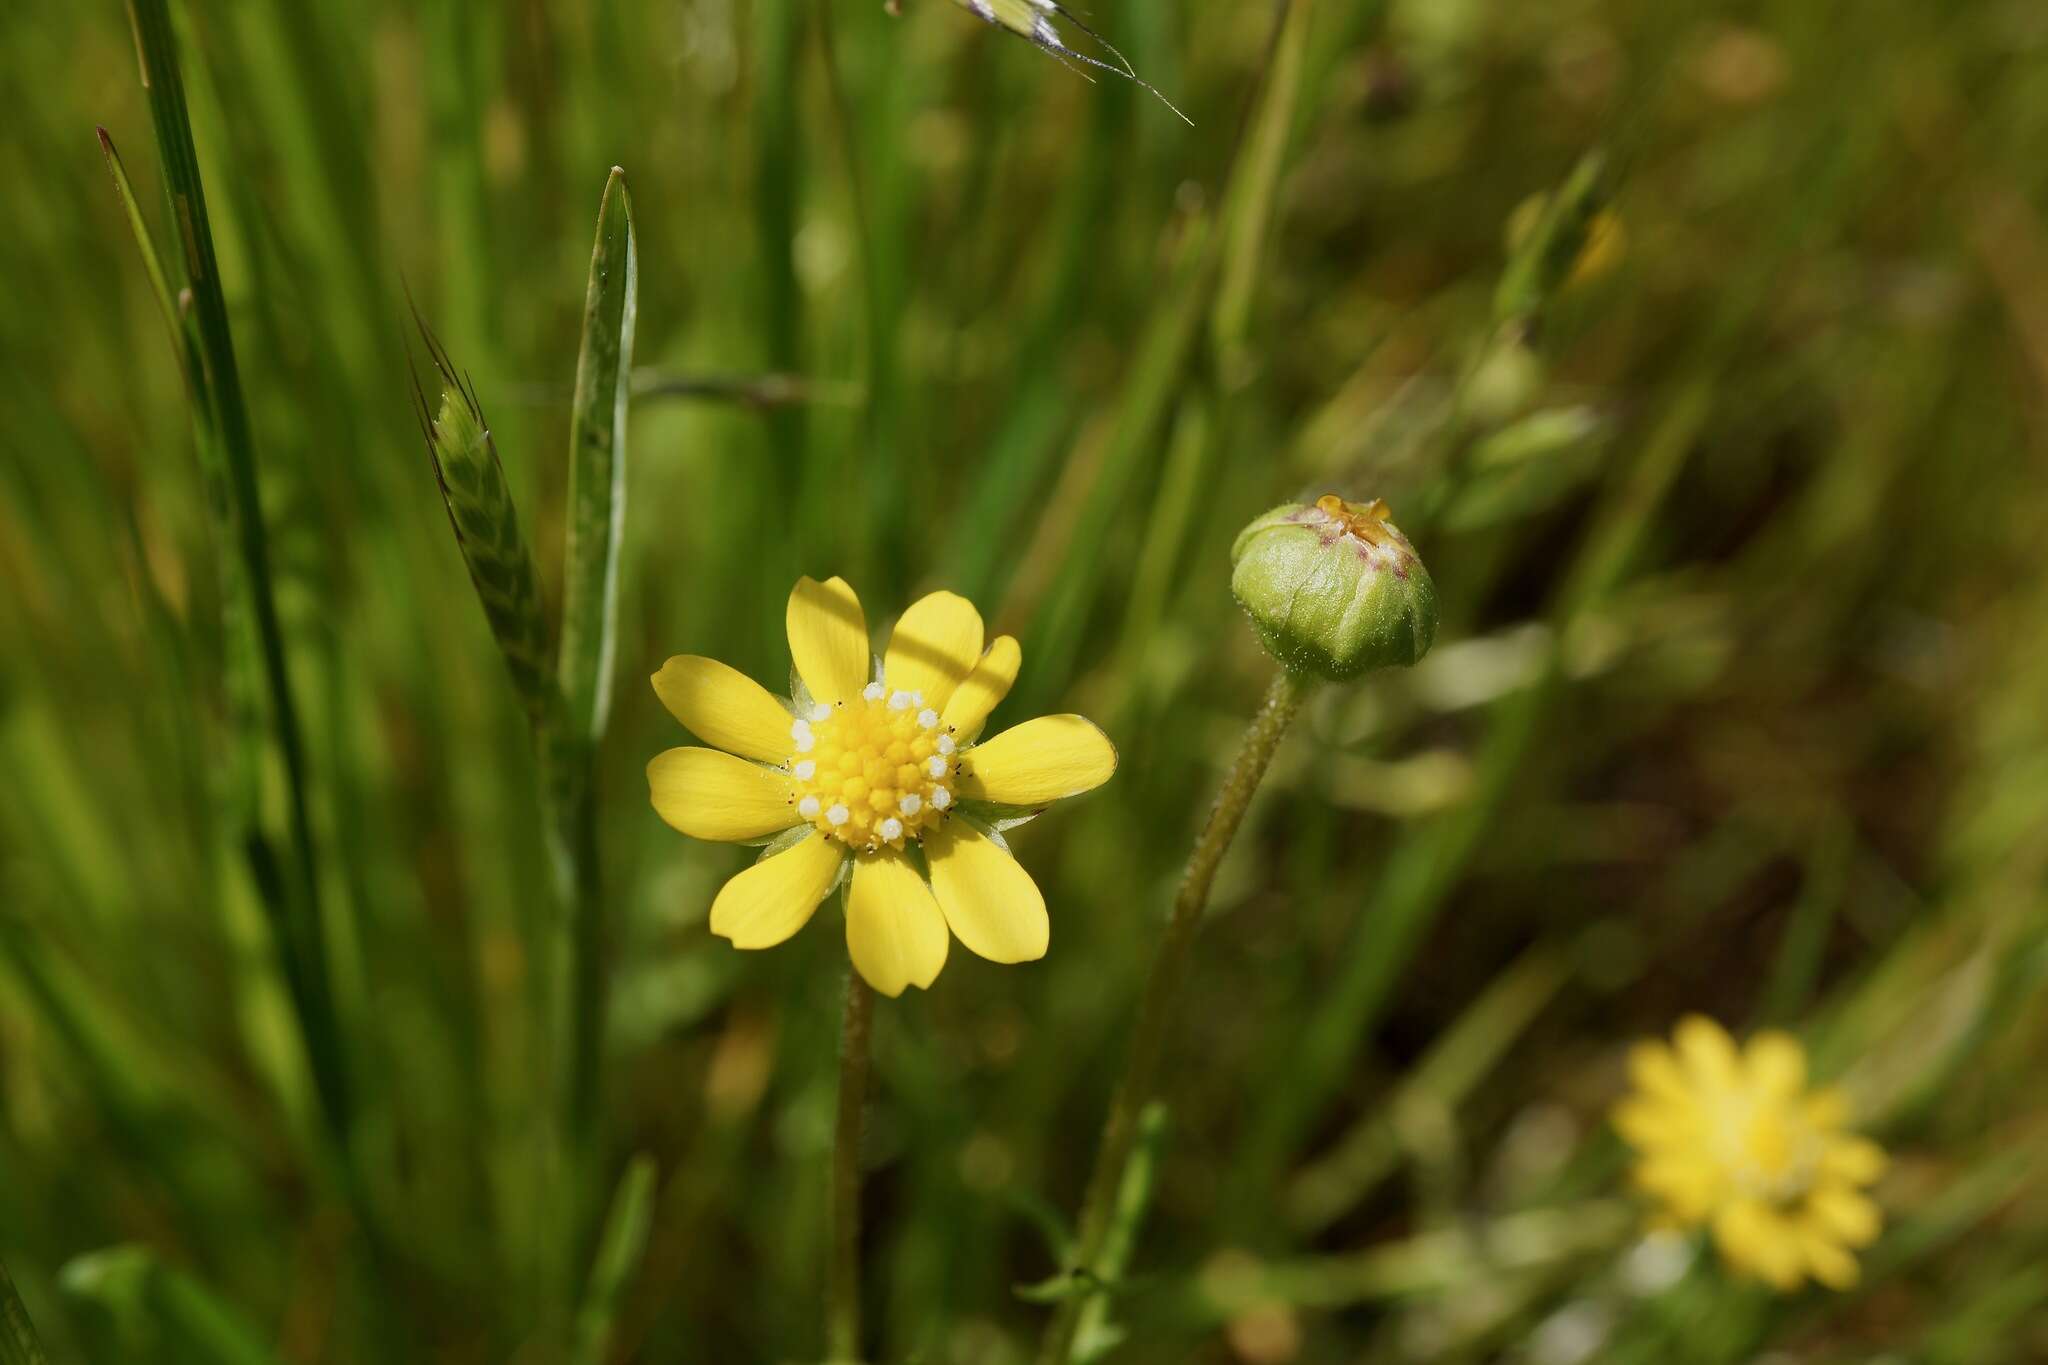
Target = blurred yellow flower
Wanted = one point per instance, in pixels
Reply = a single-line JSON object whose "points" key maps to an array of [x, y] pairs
{"points": [[1736, 1142], [879, 769]]}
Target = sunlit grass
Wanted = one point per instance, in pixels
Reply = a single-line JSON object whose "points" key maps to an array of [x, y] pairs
{"points": [[1734, 707]]}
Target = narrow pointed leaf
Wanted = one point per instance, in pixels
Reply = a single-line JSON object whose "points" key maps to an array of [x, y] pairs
{"points": [[597, 465], [18, 1342], [155, 1312], [217, 388], [618, 1259], [152, 263]]}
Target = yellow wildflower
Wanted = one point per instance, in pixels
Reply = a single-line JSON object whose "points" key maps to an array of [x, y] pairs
{"points": [[877, 769], [1735, 1141]]}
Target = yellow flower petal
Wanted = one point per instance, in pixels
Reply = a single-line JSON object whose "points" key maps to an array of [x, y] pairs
{"points": [[1776, 1065], [967, 711], [724, 707], [1687, 1187], [1828, 1261], [1855, 1160], [1706, 1051], [1827, 1109], [710, 795], [1038, 762], [989, 900], [935, 645], [1656, 1073], [828, 639], [1850, 1217], [771, 900], [894, 930], [1645, 1123], [1757, 1240]]}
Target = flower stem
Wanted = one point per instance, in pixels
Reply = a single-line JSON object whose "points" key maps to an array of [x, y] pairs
{"points": [[842, 1299], [1169, 968]]}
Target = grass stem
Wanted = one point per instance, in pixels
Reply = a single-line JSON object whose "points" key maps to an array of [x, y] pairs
{"points": [[1155, 1011], [842, 1299], [296, 918]]}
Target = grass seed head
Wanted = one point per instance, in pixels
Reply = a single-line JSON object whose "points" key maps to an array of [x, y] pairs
{"points": [[486, 524]]}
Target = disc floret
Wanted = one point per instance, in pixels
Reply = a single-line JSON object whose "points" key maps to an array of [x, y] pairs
{"points": [[877, 771]]}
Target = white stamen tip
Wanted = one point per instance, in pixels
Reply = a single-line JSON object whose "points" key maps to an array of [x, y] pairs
{"points": [[901, 701], [941, 798], [945, 744], [822, 711], [808, 808], [839, 814], [928, 718], [873, 692], [799, 728], [891, 828], [911, 804], [806, 742], [935, 765], [807, 770]]}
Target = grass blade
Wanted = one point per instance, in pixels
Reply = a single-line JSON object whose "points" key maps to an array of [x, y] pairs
{"points": [[158, 1313], [597, 465], [241, 684], [296, 916], [619, 1251], [152, 264], [18, 1342]]}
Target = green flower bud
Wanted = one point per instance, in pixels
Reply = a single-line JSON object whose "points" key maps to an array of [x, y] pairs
{"points": [[1334, 588]]}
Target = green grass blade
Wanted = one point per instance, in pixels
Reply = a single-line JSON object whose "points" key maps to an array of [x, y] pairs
{"points": [[158, 1313], [18, 1342], [241, 683], [1254, 199], [152, 264], [301, 940], [597, 465], [1160, 361], [619, 1250]]}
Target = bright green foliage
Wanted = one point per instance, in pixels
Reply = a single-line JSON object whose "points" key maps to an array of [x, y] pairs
{"points": [[597, 465], [1735, 703], [250, 623]]}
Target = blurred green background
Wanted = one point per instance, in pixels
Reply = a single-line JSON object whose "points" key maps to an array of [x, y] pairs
{"points": [[1737, 704]]}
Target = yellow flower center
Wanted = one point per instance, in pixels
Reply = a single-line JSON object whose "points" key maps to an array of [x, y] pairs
{"points": [[873, 771], [1770, 1153], [1366, 520]]}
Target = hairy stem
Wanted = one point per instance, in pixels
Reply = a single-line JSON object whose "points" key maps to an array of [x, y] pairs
{"points": [[842, 1300], [1155, 1010]]}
